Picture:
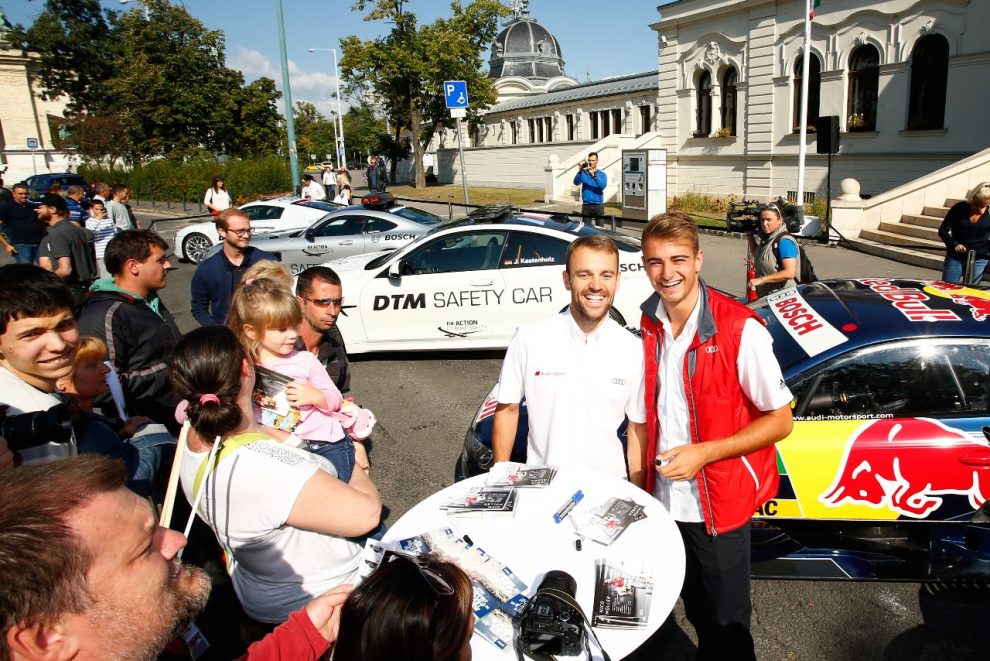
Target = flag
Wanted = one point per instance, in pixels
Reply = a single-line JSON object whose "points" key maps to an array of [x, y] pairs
{"points": [[814, 5]]}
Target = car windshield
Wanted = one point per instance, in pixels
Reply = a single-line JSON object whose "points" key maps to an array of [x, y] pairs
{"points": [[418, 216]]}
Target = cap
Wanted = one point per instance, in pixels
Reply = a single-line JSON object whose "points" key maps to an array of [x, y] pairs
{"points": [[56, 201]]}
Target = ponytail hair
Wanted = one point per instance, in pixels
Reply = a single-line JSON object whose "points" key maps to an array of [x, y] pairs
{"points": [[261, 303], [205, 370]]}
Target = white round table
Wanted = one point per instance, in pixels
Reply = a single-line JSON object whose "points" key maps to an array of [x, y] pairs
{"points": [[531, 544]]}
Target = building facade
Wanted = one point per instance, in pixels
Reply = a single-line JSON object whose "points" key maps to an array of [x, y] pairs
{"points": [[903, 77]]}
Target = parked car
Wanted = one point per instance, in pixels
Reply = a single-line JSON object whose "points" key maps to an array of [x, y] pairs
{"points": [[291, 212], [886, 473], [468, 284], [39, 184], [377, 223]]}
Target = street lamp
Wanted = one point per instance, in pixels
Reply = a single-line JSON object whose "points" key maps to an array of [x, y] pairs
{"points": [[147, 14], [341, 149]]}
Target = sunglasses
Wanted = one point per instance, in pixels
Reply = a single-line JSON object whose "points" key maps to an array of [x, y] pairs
{"points": [[437, 583], [325, 302], [769, 205]]}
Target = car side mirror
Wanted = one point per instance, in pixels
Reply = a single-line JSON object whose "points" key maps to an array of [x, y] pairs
{"points": [[395, 270], [310, 233]]}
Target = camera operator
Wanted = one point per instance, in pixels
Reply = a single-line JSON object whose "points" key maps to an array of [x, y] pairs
{"points": [[776, 257], [592, 182], [38, 338]]}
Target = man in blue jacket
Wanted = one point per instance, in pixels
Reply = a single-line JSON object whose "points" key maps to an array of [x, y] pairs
{"points": [[592, 182], [215, 278]]}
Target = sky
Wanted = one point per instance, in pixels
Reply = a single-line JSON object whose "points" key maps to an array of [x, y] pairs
{"points": [[597, 38]]}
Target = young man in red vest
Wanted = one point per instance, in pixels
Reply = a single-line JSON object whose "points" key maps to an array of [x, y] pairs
{"points": [[716, 403]]}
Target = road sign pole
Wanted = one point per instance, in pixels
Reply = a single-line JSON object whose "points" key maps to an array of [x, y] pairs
{"points": [[460, 148]]}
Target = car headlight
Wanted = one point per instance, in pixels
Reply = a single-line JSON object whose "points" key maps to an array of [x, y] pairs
{"points": [[477, 455]]}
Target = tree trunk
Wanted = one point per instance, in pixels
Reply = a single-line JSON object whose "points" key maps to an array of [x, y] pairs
{"points": [[415, 126]]}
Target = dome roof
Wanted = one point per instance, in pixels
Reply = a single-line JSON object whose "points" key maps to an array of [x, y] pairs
{"points": [[526, 49]]}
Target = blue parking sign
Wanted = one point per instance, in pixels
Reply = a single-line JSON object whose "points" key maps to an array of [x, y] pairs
{"points": [[455, 93]]}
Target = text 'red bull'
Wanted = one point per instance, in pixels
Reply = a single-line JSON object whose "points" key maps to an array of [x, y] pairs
{"points": [[908, 301], [902, 463]]}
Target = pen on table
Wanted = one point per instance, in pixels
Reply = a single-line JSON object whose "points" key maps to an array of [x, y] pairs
{"points": [[562, 513]]}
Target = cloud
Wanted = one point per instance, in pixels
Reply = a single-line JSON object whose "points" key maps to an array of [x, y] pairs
{"points": [[308, 86]]}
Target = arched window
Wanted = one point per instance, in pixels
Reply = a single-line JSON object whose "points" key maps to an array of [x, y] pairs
{"points": [[929, 76], [814, 91], [864, 80], [703, 123], [729, 79]]}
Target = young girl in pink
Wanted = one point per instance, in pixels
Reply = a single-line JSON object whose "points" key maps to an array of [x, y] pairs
{"points": [[264, 316]]}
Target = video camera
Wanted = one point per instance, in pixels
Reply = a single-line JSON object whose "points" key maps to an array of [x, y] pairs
{"points": [[28, 430], [550, 624]]}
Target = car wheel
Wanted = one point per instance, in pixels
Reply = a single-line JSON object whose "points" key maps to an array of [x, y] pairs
{"points": [[195, 246]]}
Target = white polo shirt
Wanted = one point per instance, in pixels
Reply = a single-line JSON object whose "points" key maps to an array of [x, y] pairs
{"points": [[759, 375], [578, 390]]}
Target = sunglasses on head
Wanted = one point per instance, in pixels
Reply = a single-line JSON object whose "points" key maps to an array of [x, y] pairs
{"points": [[771, 206], [437, 583]]}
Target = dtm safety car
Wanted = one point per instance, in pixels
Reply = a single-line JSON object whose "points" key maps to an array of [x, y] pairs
{"points": [[886, 474], [468, 284], [193, 242]]}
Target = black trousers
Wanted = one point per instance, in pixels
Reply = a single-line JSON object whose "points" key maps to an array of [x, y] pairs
{"points": [[592, 212], [716, 591]]}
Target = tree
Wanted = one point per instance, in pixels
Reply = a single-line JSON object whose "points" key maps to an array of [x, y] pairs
{"points": [[407, 67], [70, 38], [259, 126], [315, 134], [365, 132]]}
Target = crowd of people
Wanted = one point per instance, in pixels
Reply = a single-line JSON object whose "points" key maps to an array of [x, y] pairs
{"points": [[289, 499]]}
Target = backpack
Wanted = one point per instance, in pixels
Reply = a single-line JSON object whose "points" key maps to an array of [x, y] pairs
{"points": [[806, 274]]}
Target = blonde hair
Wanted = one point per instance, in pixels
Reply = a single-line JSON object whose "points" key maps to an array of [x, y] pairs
{"points": [[263, 304], [269, 270], [90, 350], [981, 193], [672, 226]]}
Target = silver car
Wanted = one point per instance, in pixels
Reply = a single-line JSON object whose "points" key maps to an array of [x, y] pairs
{"points": [[376, 224]]}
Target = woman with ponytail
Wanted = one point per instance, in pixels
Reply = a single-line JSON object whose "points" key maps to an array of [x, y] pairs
{"points": [[279, 512]]}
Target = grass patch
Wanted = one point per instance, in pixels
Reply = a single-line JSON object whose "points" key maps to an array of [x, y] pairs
{"points": [[519, 197]]}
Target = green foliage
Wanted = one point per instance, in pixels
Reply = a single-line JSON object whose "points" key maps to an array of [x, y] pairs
{"points": [[246, 179], [69, 37], [694, 201], [315, 134], [407, 67], [817, 208], [365, 133]]}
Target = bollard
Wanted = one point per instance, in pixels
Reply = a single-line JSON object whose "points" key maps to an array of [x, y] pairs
{"points": [[450, 209], [168, 201], [152, 198], [184, 209], [613, 222]]}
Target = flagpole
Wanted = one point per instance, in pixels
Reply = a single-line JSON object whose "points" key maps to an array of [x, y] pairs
{"points": [[805, 69]]}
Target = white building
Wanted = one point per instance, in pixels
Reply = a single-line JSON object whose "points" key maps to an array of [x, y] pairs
{"points": [[907, 79], [23, 116]]}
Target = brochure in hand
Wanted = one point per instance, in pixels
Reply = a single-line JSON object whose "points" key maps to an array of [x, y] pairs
{"points": [[498, 593], [512, 474], [623, 593], [483, 501], [271, 408], [604, 524]]}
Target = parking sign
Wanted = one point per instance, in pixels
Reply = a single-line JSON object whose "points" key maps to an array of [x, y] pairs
{"points": [[455, 93], [32, 144]]}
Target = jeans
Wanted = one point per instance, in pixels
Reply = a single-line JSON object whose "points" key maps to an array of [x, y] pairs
{"points": [[27, 253], [341, 455], [954, 268]]}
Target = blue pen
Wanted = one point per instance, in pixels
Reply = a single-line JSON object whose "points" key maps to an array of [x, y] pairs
{"points": [[562, 513]]}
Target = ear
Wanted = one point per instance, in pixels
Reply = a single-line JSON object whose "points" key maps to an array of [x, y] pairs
{"points": [[131, 266], [567, 280], [40, 641], [63, 383], [250, 331]]}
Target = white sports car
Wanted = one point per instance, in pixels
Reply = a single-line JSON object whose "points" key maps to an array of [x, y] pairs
{"points": [[193, 242], [469, 283]]}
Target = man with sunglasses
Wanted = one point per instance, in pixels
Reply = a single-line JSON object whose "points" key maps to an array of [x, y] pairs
{"points": [[320, 295], [215, 279]]}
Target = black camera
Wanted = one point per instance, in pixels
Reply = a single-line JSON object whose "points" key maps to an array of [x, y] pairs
{"points": [[583, 165], [28, 430], [744, 216], [550, 625]]}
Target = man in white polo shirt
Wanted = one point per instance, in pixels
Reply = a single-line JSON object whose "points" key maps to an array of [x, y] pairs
{"points": [[581, 374]]}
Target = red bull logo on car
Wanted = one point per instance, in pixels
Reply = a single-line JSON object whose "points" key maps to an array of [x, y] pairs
{"points": [[906, 464], [976, 300], [909, 301]]}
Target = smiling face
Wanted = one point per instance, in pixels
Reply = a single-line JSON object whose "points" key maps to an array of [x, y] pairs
{"points": [[237, 234], [40, 350], [142, 595], [592, 278], [673, 267]]}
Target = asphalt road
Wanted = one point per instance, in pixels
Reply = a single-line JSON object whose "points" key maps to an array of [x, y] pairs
{"points": [[425, 401]]}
